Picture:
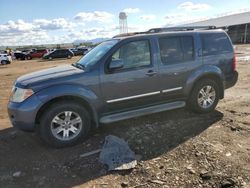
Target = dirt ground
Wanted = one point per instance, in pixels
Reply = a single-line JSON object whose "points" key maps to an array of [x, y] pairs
{"points": [[178, 148]]}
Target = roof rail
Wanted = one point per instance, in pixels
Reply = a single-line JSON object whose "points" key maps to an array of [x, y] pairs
{"points": [[167, 29], [185, 28]]}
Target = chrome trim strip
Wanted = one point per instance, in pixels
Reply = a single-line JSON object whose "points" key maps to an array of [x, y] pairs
{"points": [[173, 89], [133, 97]]}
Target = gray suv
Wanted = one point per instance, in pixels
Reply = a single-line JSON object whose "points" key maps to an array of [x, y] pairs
{"points": [[125, 77]]}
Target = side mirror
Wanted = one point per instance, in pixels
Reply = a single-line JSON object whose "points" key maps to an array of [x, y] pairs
{"points": [[116, 64]]}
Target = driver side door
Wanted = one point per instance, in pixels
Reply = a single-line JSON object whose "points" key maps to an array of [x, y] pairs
{"points": [[133, 83]]}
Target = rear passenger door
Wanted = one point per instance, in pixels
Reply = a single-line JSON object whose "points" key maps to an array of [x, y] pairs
{"points": [[176, 62]]}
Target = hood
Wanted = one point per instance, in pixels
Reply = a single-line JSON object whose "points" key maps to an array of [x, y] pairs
{"points": [[47, 74]]}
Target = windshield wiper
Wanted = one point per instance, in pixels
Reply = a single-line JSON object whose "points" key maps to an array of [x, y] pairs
{"points": [[78, 65]]}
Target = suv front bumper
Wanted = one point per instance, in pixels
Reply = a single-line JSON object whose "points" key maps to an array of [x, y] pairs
{"points": [[23, 115], [231, 80]]}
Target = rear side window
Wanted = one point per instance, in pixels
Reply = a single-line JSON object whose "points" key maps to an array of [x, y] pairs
{"points": [[176, 49], [215, 43]]}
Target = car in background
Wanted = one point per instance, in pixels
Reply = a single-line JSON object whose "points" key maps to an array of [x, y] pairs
{"points": [[5, 59], [80, 51], [20, 55], [59, 53], [37, 53]]}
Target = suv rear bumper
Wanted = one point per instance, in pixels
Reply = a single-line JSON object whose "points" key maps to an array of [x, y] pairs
{"points": [[231, 80]]}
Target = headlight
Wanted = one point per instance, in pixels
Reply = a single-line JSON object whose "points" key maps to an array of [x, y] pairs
{"points": [[19, 95]]}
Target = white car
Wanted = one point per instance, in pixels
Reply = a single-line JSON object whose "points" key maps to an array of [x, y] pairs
{"points": [[5, 59]]}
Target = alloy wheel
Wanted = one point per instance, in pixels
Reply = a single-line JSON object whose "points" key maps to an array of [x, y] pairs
{"points": [[66, 125], [206, 97]]}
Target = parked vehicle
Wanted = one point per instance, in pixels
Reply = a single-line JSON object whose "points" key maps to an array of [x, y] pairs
{"points": [[126, 77], [80, 51], [5, 59], [59, 53], [37, 53], [20, 55]]}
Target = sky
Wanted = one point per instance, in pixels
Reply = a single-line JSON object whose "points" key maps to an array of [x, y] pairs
{"points": [[31, 22]]}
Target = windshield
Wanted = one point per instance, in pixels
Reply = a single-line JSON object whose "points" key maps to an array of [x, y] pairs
{"points": [[97, 53]]}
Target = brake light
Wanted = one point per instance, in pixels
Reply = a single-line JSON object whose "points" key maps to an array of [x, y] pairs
{"points": [[234, 63]]}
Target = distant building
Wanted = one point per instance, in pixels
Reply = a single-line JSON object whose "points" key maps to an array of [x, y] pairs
{"points": [[236, 25]]}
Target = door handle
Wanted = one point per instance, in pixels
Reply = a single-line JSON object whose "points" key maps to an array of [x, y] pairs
{"points": [[151, 73]]}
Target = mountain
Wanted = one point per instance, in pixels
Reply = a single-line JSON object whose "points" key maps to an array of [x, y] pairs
{"points": [[94, 41]]}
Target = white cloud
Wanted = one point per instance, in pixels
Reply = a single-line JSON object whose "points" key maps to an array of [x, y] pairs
{"points": [[18, 26], [54, 24], [148, 17], [190, 6], [181, 18], [99, 16], [131, 10]]}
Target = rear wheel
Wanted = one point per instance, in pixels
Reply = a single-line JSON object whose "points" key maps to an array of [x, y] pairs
{"points": [[64, 124], [204, 97]]}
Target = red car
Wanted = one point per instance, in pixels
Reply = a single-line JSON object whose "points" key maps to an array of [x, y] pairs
{"points": [[37, 54]]}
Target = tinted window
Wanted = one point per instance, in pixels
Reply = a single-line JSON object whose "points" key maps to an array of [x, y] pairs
{"points": [[215, 43], [188, 48], [134, 54], [176, 49]]}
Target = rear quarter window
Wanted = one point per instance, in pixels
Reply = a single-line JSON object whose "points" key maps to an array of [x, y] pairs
{"points": [[215, 43]]}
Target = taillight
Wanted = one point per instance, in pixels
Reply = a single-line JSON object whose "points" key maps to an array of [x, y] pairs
{"points": [[234, 63]]}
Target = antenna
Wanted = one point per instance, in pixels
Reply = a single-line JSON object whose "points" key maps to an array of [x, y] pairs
{"points": [[123, 22]]}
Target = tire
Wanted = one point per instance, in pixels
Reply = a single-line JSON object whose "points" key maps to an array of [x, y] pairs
{"points": [[50, 58], [29, 57], [53, 124], [4, 62], [204, 97], [69, 56]]}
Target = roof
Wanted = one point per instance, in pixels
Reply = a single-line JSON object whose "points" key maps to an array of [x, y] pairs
{"points": [[235, 19], [169, 30]]}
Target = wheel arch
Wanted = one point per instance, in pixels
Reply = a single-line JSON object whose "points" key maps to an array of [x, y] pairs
{"points": [[65, 98], [215, 78], [210, 72]]}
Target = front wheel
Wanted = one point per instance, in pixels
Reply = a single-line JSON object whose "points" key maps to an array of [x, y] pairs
{"points": [[4, 62], [204, 97], [64, 124]]}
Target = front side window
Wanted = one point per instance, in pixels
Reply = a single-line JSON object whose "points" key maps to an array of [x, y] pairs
{"points": [[133, 54]]}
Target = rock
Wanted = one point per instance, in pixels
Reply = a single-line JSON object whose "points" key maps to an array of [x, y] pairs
{"points": [[227, 183], [157, 182], [228, 154], [197, 154], [17, 174], [233, 128], [205, 175], [190, 169], [124, 184]]}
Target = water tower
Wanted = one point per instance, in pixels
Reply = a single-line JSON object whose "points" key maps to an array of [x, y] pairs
{"points": [[123, 22]]}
